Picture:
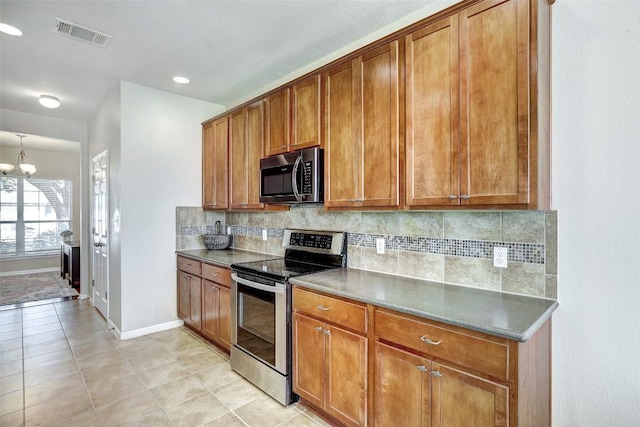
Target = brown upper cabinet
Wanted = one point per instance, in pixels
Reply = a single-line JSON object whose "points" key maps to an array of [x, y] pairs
{"points": [[472, 108], [293, 117], [246, 136], [215, 167], [361, 131]]}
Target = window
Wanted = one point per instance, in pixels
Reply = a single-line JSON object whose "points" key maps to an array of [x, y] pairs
{"points": [[33, 213]]}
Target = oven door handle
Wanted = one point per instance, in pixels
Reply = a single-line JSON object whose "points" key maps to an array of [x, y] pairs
{"points": [[279, 288]]}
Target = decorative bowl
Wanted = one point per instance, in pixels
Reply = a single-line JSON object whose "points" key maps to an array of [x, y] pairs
{"points": [[217, 241]]}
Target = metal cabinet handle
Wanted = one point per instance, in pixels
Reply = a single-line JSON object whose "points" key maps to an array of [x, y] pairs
{"points": [[426, 340], [327, 332], [320, 307], [452, 197], [318, 328], [436, 373], [465, 197], [215, 274], [186, 265], [422, 368]]}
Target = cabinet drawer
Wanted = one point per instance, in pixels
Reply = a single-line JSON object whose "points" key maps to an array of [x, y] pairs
{"points": [[475, 352], [189, 265], [216, 274], [334, 310]]}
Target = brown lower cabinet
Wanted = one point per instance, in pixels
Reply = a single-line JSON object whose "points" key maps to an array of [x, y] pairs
{"points": [[204, 300], [420, 372]]}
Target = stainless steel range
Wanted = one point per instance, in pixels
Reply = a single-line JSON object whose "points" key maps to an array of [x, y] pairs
{"points": [[261, 307]]}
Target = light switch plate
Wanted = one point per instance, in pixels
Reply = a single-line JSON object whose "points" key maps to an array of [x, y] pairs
{"points": [[228, 230], [380, 245], [500, 257], [264, 234]]}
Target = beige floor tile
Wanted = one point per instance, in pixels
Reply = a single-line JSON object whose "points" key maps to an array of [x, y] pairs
{"points": [[163, 374], [238, 393], [302, 420], [227, 420], [11, 383], [10, 316], [217, 376], [41, 321], [83, 330], [151, 359], [15, 419], [265, 412], [13, 326], [54, 411], [41, 360], [104, 393], [93, 337], [10, 355], [189, 350], [28, 316], [111, 372], [46, 337], [8, 369], [11, 402], [197, 411], [10, 335], [202, 361], [41, 329], [86, 418], [129, 411], [178, 391], [11, 344], [139, 348], [93, 348], [45, 347], [99, 360], [70, 384], [48, 373]]}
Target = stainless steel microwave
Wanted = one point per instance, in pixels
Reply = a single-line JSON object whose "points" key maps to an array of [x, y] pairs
{"points": [[295, 177]]}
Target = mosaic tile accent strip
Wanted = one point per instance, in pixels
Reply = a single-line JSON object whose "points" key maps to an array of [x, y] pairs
{"points": [[532, 253], [193, 230]]}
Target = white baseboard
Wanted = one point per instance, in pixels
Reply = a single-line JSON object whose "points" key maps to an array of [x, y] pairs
{"points": [[38, 270], [148, 330]]}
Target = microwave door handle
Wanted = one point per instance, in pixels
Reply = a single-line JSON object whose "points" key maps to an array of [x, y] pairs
{"points": [[294, 178]]}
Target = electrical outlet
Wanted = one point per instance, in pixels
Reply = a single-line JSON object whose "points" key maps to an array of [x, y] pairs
{"points": [[264, 234], [228, 230], [380, 245], [500, 257]]}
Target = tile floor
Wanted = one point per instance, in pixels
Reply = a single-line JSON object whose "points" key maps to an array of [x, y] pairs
{"points": [[60, 366]]}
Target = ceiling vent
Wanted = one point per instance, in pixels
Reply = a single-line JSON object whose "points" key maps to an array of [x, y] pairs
{"points": [[78, 32]]}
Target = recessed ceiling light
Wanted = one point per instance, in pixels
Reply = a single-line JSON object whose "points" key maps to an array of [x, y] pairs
{"points": [[179, 79], [8, 29], [49, 101]]}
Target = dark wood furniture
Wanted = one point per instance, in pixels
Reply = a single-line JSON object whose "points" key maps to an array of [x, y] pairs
{"points": [[70, 263]]}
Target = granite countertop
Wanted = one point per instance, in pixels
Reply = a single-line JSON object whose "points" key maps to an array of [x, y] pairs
{"points": [[515, 317], [226, 257]]}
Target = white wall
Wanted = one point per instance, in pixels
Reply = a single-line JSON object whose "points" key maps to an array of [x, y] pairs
{"points": [[161, 143], [596, 190]]}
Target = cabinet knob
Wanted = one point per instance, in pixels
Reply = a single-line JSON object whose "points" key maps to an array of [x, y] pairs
{"points": [[320, 307], [436, 373], [422, 368], [426, 340], [327, 332], [318, 328]]}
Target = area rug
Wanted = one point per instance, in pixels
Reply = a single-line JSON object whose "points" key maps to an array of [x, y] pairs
{"points": [[34, 287]]}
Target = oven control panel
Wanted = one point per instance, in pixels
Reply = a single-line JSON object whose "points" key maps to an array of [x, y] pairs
{"points": [[306, 240]]}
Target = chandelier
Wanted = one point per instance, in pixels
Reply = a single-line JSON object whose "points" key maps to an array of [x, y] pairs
{"points": [[26, 168]]}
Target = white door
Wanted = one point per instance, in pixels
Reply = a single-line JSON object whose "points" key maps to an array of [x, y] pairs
{"points": [[100, 249]]}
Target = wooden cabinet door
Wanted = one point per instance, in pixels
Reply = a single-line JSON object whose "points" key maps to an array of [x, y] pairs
{"points": [[432, 113], [224, 317], [277, 123], [255, 146], [306, 114], [184, 295], [210, 310], [341, 137], [238, 159], [494, 114], [460, 399], [346, 375], [215, 156], [377, 110], [402, 388], [308, 359]]}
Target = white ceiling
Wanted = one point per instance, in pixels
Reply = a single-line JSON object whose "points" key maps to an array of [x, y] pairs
{"points": [[229, 49]]}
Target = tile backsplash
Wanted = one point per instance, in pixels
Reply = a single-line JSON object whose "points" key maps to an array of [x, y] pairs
{"points": [[452, 247]]}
